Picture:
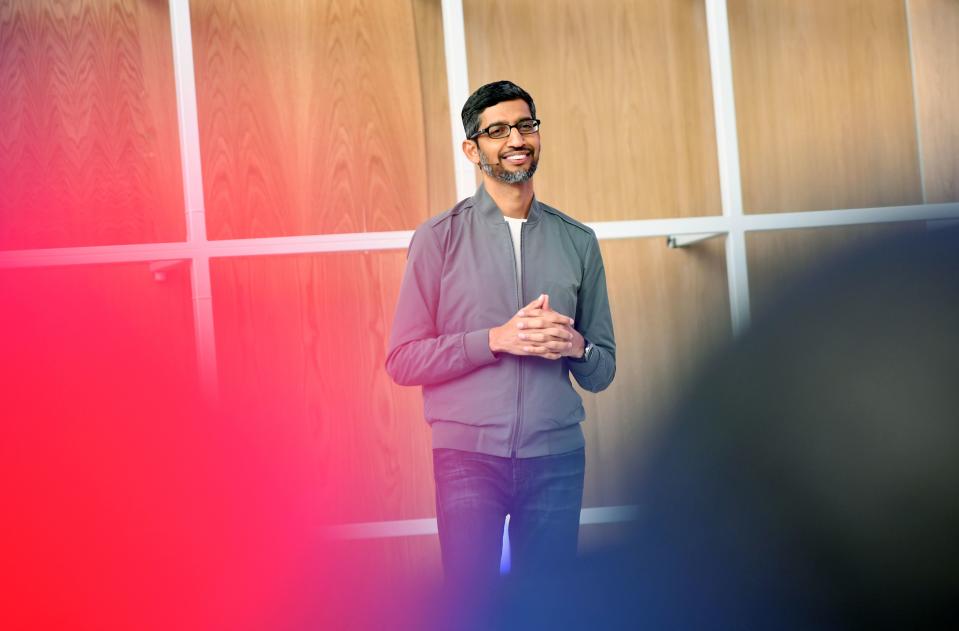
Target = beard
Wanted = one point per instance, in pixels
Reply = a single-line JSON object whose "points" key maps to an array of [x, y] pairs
{"points": [[497, 172]]}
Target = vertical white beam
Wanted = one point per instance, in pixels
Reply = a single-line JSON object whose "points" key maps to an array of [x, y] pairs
{"points": [[458, 90], [203, 326], [915, 100], [727, 146], [189, 128]]}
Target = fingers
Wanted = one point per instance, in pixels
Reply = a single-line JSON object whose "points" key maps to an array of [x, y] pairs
{"points": [[537, 303], [546, 352], [547, 347], [545, 320], [545, 302], [547, 335], [537, 313]]}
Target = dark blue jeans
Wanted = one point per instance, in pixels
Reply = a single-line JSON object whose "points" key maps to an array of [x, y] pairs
{"points": [[474, 493]]}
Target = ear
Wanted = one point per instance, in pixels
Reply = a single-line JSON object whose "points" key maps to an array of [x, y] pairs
{"points": [[471, 151]]}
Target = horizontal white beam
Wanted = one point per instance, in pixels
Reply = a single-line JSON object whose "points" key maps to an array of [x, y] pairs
{"points": [[352, 242], [849, 217], [416, 527], [639, 228], [383, 529], [684, 240], [608, 514], [141, 252], [361, 241]]}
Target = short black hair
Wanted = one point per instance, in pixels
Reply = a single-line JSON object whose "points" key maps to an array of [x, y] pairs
{"points": [[489, 95]]}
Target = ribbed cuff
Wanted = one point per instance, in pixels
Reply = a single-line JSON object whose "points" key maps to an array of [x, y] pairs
{"points": [[585, 368], [476, 345]]}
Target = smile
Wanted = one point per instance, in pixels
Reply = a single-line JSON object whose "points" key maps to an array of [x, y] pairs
{"points": [[517, 158]]}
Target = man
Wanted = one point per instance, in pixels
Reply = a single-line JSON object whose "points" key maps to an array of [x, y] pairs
{"points": [[502, 298]]}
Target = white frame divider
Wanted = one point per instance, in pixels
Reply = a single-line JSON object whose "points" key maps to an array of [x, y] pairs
{"points": [[457, 85], [727, 148], [915, 100], [427, 526], [398, 240], [189, 126]]}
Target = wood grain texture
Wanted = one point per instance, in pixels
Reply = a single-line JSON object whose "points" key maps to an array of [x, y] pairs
{"points": [[779, 258], [824, 104], [670, 310], [302, 340], [89, 153], [441, 185], [311, 119], [623, 89], [935, 50]]}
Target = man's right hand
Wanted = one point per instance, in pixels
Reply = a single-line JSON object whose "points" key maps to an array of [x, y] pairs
{"points": [[551, 325]]}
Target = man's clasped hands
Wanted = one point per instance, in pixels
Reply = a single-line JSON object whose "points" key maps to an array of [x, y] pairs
{"points": [[538, 330]]}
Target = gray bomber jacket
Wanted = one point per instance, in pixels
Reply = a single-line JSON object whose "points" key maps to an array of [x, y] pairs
{"points": [[460, 281]]}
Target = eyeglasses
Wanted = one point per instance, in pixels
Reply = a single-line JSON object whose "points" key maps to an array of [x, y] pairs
{"points": [[502, 130]]}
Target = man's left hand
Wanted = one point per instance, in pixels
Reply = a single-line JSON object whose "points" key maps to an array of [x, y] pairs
{"points": [[550, 334]]}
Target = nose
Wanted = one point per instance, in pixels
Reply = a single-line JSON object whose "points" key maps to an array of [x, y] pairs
{"points": [[515, 138]]}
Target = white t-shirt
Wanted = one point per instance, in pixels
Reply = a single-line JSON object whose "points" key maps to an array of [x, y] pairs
{"points": [[515, 225]]}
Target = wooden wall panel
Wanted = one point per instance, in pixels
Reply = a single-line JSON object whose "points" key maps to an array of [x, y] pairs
{"points": [[935, 50], [302, 340], [311, 119], [441, 185], [779, 258], [623, 89], [89, 153], [394, 562], [824, 104], [670, 310], [102, 323]]}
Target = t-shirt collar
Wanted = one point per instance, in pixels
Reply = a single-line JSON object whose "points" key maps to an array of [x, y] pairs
{"points": [[491, 212]]}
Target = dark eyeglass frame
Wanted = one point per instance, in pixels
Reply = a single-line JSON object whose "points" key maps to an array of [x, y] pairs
{"points": [[509, 129]]}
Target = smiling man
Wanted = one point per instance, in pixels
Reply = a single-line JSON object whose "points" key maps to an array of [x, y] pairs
{"points": [[504, 297]]}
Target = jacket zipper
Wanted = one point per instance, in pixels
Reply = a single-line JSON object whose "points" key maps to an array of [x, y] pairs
{"points": [[520, 358]]}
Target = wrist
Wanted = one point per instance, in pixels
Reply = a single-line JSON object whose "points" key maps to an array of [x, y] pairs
{"points": [[582, 353], [579, 346], [491, 337]]}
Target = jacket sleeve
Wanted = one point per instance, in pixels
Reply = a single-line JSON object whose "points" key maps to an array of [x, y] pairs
{"points": [[594, 322], [417, 354]]}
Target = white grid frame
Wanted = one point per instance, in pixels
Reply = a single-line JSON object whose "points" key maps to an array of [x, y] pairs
{"points": [[198, 250]]}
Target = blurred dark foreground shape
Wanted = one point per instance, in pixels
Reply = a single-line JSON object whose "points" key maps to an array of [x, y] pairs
{"points": [[809, 478]]}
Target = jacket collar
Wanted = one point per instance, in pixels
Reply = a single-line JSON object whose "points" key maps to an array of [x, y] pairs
{"points": [[490, 212]]}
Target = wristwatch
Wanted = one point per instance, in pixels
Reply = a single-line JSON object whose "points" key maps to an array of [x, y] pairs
{"points": [[586, 351]]}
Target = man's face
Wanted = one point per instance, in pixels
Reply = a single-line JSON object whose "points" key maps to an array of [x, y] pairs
{"points": [[512, 159]]}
